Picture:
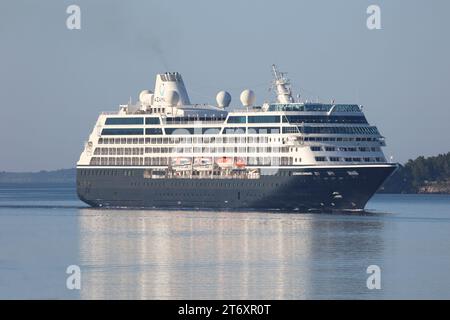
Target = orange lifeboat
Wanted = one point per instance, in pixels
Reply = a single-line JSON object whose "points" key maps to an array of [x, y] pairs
{"points": [[225, 162], [240, 163]]}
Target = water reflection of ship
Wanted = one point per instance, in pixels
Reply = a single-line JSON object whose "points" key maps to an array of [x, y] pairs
{"points": [[132, 254], [152, 255]]}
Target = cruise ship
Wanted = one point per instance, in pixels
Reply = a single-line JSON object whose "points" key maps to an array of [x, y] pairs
{"points": [[165, 152]]}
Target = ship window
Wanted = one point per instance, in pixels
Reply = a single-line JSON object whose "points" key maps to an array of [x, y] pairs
{"points": [[264, 119], [314, 148], [324, 119], [180, 131], [264, 130], [234, 130], [286, 107], [115, 121], [153, 131], [290, 130], [320, 159], [236, 119], [337, 130], [152, 120], [210, 130], [129, 131]]}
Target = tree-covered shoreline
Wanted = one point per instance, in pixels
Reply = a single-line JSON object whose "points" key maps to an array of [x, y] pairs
{"points": [[422, 175], [63, 176]]}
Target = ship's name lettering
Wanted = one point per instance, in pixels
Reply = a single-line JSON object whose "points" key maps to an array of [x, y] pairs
{"points": [[159, 99]]}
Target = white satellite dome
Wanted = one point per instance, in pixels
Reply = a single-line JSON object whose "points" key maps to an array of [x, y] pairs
{"points": [[144, 94], [248, 98], [172, 97], [223, 99]]}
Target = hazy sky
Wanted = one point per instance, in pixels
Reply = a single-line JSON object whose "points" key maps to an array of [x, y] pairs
{"points": [[54, 82]]}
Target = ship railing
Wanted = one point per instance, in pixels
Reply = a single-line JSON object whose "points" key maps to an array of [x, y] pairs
{"points": [[109, 113], [193, 121]]}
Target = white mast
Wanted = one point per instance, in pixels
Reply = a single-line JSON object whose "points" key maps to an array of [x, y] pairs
{"points": [[282, 86]]}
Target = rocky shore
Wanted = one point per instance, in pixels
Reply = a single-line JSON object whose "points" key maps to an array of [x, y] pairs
{"points": [[435, 187]]}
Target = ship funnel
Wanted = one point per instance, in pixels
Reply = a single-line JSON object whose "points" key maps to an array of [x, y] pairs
{"points": [[172, 97], [166, 84]]}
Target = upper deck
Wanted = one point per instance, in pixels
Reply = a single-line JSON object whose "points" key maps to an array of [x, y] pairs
{"points": [[164, 126]]}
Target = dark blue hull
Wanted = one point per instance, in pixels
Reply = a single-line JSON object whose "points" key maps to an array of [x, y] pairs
{"points": [[320, 188]]}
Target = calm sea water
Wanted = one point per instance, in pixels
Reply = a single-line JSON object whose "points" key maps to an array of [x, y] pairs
{"points": [[138, 254]]}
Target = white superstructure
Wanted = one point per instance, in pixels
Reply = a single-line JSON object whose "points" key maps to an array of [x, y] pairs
{"points": [[164, 129]]}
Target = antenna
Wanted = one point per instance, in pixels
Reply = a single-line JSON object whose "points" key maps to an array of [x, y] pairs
{"points": [[276, 74], [282, 86]]}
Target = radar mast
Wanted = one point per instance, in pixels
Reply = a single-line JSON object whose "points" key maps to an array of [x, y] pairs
{"points": [[282, 86]]}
